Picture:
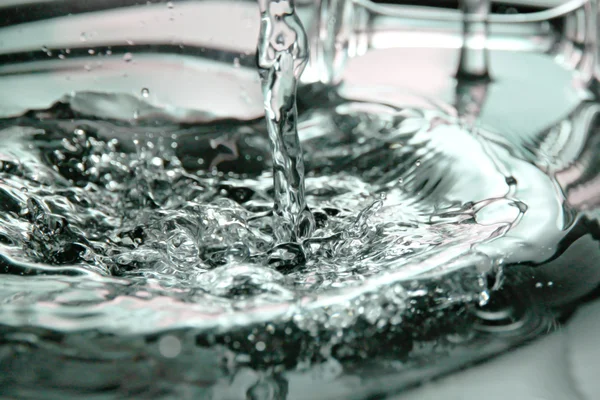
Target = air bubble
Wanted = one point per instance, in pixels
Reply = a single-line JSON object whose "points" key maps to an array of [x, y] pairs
{"points": [[169, 346], [260, 346], [157, 162]]}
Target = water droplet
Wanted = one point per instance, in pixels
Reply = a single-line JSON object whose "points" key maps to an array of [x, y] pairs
{"points": [[157, 162], [261, 346], [169, 346], [61, 56], [539, 285], [145, 92], [91, 52], [265, 390], [83, 37], [127, 57], [418, 163], [236, 62], [170, 5]]}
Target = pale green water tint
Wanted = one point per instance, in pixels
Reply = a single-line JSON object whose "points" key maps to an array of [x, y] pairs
{"points": [[148, 255]]}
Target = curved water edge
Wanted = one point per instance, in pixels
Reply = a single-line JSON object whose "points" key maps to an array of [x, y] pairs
{"points": [[469, 222], [449, 209]]}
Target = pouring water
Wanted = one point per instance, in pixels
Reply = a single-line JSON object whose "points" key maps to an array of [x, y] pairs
{"points": [[377, 224]]}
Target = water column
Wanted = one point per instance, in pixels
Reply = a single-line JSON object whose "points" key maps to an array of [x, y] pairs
{"points": [[474, 56], [282, 56], [473, 73]]}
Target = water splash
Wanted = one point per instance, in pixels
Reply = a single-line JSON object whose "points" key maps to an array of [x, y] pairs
{"points": [[170, 245], [189, 282]]}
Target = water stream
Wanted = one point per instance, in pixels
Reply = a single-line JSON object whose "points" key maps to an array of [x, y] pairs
{"points": [[282, 57]]}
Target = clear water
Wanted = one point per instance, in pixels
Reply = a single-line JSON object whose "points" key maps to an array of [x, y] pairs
{"points": [[282, 56], [150, 255]]}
